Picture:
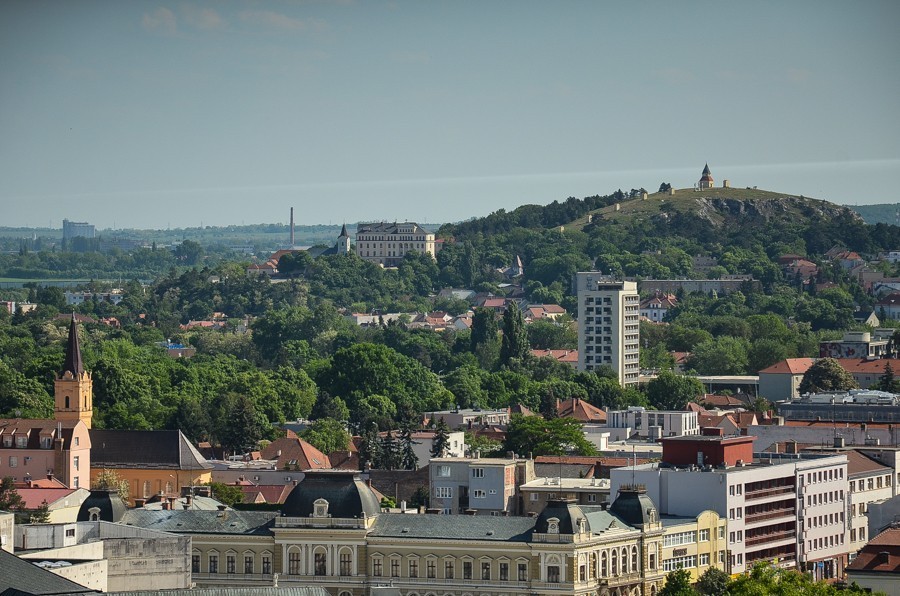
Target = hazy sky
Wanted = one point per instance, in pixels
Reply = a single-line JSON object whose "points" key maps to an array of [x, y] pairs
{"points": [[148, 114]]}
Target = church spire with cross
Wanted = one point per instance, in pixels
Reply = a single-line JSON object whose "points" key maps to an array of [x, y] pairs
{"points": [[73, 389]]}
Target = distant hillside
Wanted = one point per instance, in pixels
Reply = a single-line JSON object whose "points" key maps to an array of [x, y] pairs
{"points": [[875, 214], [719, 207]]}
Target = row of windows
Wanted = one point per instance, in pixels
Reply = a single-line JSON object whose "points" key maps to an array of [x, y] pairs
{"points": [[449, 569], [824, 475], [249, 561], [825, 542], [817, 521], [870, 483], [686, 562], [826, 497], [682, 538]]}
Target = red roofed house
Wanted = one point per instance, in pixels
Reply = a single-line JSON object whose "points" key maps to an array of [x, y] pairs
{"points": [[568, 356], [782, 380], [62, 502], [877, 566], [656, 307], [295, 454], [580, 410]]}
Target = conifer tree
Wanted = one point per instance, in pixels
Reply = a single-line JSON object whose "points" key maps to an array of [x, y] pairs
{"points": [[515, 337]]}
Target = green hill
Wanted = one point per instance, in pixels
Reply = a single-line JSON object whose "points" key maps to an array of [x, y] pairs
{"points": [[720, 207], [885, 213]]}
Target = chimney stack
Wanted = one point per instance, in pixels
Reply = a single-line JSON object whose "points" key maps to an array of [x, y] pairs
{"points": [[292, 227]]}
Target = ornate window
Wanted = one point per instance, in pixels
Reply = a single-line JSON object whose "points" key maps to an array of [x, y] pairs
{"points": [[320, 508], [248, 563], [320, 560], [294, 562], [230, 562], [195, 562], [634, 559], [467, 569], [485, 570], [376, 566], [431, 568], [604, 564], [553, 574], [213, 562], [346, 562], [553, 525], [395, 566], [615, 562], [504, 571], [624, 560], [414, 567], [267, 563], [449, 567]]}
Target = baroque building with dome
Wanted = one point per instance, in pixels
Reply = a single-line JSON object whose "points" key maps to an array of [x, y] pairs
{"points": [[332, 533]]}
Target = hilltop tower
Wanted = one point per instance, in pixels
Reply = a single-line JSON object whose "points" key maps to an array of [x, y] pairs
{"points": [[706, 179], [73, 388], [343, 241]]}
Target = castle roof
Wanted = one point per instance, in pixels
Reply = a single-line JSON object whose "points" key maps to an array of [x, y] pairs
{"points": [[347, 496]]}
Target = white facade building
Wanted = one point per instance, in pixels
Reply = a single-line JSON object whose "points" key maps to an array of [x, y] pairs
{"points": [[654, 424], [387, 243], [782, 508], [608, 320]]}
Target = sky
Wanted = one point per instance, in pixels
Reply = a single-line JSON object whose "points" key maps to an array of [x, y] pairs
{"points": [[155, 114]]}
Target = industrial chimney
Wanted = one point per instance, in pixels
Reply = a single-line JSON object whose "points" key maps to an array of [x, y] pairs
{"points": [[292, 227]]}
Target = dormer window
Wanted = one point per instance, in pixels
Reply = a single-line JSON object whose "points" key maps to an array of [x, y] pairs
{"points": [[46, 442], [21, 441], [553, 525], [7, 441], [320, 508]]}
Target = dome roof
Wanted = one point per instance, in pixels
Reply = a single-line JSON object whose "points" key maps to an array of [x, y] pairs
{"points": [[561, 516], [343, 493], [102, 505], [634, 507]]}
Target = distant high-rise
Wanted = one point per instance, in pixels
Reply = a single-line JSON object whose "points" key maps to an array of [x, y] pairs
{"points": [[608, 327], [74, 229]]}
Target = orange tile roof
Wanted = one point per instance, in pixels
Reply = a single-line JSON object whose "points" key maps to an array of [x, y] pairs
{"points": [[880, 555], [569, 356], [857, 463], [296, 452], [793, 366], [580, 410]]}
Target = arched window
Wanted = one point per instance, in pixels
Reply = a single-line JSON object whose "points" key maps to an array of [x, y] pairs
{"points": [[624, 560], [615, 562], [346, 562], [634, 559], [320, 561], [604, 564], [293, 561]]}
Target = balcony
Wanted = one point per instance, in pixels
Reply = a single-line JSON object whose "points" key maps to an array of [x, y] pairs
{"points": [[765, 493], [770, 540], [766, 517]]}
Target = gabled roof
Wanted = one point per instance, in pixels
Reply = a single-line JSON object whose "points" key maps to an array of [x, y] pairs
{"points": [[144, 449], [580, 410], [34, 497], [722, 401], [34, 428], [295, 452], [792, 366], [568, 356]]}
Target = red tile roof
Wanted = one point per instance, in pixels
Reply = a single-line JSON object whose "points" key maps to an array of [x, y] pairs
{"points": [[721, 401], [857, 463], [568, 356], [34, 497], [580, 410], [793, 366], [296, 453], [880, 555]]}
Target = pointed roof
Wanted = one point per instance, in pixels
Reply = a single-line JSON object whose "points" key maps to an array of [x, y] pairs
{"points": [[344, 233], [706, 171], [73, 363]]}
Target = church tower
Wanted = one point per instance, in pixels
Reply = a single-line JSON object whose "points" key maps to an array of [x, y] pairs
{"points": [[73, 389], [706, 179], [343, 241]]}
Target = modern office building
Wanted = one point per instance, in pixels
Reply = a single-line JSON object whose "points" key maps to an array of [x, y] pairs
{"points": [[786, 507], [387, 243], [608, 333]]}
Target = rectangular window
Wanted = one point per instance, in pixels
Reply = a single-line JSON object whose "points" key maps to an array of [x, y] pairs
{"points": [[13, 461], [376, 567], [230, 563], [248, 564], [443, 492], [485, 570], [319, 561], [704, 535], [448, 569], [478, 493], [444, 471], [195, 563], [267, 564], [553, 574], [294, 563], [477, 472], [534, 497], [346, 563], [75, 462], [523, 572], [395, 567], [213, 563], [414, 568], [704, 559], [504, 572], [467, 569], [431, 568]]}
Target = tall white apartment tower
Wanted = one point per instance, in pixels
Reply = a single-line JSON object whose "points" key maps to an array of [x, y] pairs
{"points": [[608, 329]]}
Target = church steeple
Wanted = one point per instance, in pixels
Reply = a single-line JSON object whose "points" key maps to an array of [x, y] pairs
{"points": [[343, 242], [706, 179], [73, 363], [73, 389]]}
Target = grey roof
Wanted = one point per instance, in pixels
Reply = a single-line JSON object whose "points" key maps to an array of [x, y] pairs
{"points": [[181, 503], [634, 507], [453, 527], [110, 504], [23, 577], [158, 449], [347, 495], [202, 522], [567, 512], [236, 591]]}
